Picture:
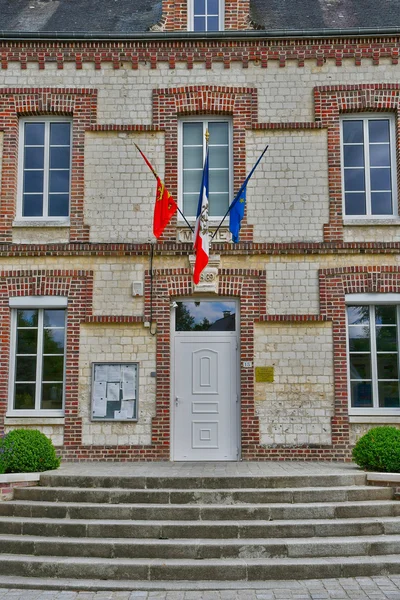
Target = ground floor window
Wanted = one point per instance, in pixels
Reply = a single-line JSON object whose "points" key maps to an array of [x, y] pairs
{"points": [[38, 359], [373, 355]]}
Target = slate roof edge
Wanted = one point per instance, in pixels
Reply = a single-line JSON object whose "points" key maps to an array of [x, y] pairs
{"points": [[190, 35]]}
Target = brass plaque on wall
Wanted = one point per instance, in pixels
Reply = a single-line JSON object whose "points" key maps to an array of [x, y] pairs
{"points": [[265, 374]]}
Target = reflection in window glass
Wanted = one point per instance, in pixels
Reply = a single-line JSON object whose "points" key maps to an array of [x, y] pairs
{"points": [[205, 316], [373, 356]]}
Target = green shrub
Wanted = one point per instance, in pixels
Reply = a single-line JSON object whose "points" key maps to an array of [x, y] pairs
{"points": [[379, 450], [27, 451]]}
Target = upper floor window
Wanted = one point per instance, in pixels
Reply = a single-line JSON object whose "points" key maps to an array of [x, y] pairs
{"points": [[368, 166], [206, 15], [38, 345], [373, 356], [192, 154], [45, 168]]}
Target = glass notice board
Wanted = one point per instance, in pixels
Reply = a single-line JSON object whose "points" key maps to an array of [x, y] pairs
{"points": [[114, 391]]}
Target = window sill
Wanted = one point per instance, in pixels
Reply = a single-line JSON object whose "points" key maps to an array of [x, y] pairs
{"points": [[387, 221], [41, 223], [375, 419], [34, 420]]}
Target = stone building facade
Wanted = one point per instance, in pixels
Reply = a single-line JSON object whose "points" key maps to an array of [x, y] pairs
{"points": [[314, 282]]}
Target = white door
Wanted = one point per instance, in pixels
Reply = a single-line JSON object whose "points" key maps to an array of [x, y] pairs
{"points": [[205, 401]]}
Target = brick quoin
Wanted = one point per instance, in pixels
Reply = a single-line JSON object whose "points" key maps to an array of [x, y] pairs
{"points": [[81, 105]]}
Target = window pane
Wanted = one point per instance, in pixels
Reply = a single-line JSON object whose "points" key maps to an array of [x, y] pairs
{"points": [[60, 134], [354, 180], [219, 181], [388, 394], [354, 156], [199, 24], [353, 132], [60, 158], [219, 157], [355, 204], [381, 179], [212, 24], [34, 134], [53, 368], [219, 133], [199, 7], [193, 158], [32, 205], [27, 341], [25, 369], [54, 318], [359, 338], [59, 181], [386, 338], [361, 394], [379, 155], [58, 205], [358, 315], [378, 130], [52, 396], [34, 158], [212, 7], [218, 204], [360, 366], [27, 318], [190, 202], [53, 341], [381, 203], [193, 134], [205, 316], [24, 396], [33, 181], [387, 366], [385, 315], [192, 181]]}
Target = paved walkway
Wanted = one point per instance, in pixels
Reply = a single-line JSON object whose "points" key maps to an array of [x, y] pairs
{"points": [[205, 469], [365, 588]]}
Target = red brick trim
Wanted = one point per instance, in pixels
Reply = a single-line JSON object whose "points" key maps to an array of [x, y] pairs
{"points": [[283, 126], [240, 104], [258, 52], [78, 103], [331, 102], [77, 286], [175, 14], [292, 319], [114, 319], [115, 127]]}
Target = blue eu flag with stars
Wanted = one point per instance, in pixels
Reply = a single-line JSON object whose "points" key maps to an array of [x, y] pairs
{"points": [[236, 215]]}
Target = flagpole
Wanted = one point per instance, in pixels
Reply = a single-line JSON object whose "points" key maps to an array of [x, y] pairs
{"points": [[157, 177], [239, 192]]}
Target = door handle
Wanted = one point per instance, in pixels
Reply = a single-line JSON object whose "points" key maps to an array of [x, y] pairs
{"points": [[177, 399]]}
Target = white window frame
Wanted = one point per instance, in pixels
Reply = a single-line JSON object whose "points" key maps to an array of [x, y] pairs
{"points": [[33, 302], [369, 300], [221, 15], [216, 219], [44, 218], [365, 117]]}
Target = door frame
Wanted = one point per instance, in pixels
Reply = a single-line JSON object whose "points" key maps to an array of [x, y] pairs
{"points": [[175, 334]]}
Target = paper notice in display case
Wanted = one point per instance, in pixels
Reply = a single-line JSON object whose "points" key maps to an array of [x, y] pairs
{"points": [[114, 391]]}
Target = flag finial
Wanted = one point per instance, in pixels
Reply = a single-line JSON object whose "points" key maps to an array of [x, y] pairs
{"points": [[207, 135]]}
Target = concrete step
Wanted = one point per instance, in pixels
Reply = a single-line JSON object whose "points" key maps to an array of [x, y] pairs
{"points": [[200, 549], [194, 570], [268, 512], [217, 530], [56, 479], [215, 496]]}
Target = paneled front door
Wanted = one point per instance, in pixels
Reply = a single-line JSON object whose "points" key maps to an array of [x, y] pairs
{"points": [[205, 402]]}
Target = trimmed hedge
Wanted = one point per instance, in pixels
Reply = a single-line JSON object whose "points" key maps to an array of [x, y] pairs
{"points": [[379, 450], [27, 451]]}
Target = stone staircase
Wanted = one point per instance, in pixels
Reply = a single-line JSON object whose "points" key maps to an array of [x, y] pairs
{"points": [[198, 528]]}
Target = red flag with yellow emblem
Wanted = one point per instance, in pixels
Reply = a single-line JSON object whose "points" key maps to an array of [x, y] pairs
{"points": [[165, 206]]}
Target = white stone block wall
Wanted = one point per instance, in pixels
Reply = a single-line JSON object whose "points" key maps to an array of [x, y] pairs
{"points": [[117, 343], [297, 407]]}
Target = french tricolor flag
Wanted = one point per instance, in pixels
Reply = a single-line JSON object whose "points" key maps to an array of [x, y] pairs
{"points": [[201, 240]]}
